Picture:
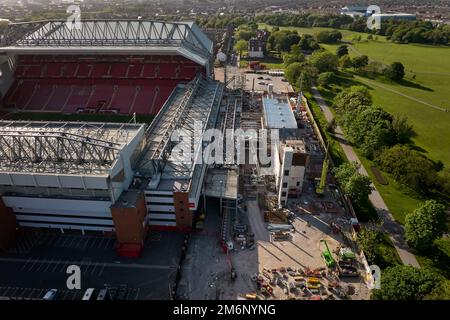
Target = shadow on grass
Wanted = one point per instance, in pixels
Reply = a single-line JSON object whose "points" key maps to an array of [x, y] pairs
{"points": [[414, 85], [366, 212], [437, 258]]}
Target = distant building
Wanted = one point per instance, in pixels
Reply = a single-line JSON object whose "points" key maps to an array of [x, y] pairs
{"points": [[256, 48], [257, 45], [355, 11], [395, 16]]}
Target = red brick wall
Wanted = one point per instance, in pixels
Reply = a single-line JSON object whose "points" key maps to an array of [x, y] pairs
{"points": [[129, 222], [182, 212]]}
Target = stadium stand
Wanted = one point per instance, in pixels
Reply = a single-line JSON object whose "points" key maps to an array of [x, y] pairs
{"points": [[68, 72]]}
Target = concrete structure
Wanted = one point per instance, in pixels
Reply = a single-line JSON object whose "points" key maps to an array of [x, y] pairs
{"points": [[176, 173], [108, 177], [66, 175], [278, 113], [293, 162]]}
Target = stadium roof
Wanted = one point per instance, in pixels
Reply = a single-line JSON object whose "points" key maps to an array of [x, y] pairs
{"points": [[195, 104], [109, 36], [62, 147]]}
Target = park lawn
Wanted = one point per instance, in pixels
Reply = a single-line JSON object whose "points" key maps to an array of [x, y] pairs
{"points": [[346, 34], [430, 125], [398, 198]]}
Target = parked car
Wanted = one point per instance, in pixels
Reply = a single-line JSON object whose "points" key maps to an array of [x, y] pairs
{"points": [[51, 294]]}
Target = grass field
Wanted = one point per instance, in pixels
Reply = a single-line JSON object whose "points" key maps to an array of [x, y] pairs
{"points": [[427, 79]]}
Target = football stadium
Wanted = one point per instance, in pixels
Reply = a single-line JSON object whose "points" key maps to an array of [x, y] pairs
{"points": [[94, 176]]}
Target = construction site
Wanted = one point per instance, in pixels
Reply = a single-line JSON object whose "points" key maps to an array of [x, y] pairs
{"points": [[284, 232]]}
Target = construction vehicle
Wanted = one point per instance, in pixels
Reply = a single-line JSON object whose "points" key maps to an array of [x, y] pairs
{"points": [[320, 183], [327, 256], [281, 236]]}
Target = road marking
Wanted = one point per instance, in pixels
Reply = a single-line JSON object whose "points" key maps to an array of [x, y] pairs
{"points": [[23, 266], [48, 266], [31, 267], [56, 265], [85, 270], [107, 264], [39, 267], [101, 270], [95, 266]]}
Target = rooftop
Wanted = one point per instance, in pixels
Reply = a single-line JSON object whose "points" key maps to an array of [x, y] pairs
{"points": [[193, 106], [62, 147], [109, 35], [278, 113]]}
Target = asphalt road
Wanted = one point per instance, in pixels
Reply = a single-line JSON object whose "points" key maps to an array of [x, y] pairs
{"points": [[39, 260], [390, 226]]}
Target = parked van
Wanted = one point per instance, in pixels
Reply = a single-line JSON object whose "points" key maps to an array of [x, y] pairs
{"points": [[88, 294]]}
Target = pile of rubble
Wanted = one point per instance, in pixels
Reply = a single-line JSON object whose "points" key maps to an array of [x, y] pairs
{"points": [[299, 284]]}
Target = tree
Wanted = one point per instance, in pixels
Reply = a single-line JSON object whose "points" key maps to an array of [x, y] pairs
{"points": [[326, 78], [396, 71], [307, 76], [360, 61], [425, 224], [329, 36], [345, 62], [368, 240], [406, 283], [324, 61], [440, 292], [408, 167], [404, 131], [352, 99], [241, 46], [342, 50], [444, 180], [295, 55], [355, 185], [370, 128], [293, 71]]}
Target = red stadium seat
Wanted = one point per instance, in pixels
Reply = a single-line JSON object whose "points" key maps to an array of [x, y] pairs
{"points": [[40, 96], [134, 71], [103, 83], [123, 99], [59, 97], [101, 96], [144, 100], [79, 98], [149, 71], [83, 71], [119, 70]]}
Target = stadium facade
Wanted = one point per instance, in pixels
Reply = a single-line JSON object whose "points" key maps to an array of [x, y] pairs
{"points": [[122, 178]]}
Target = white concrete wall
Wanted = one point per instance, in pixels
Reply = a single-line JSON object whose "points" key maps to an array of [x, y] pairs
{"points": [[61, 213]]}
